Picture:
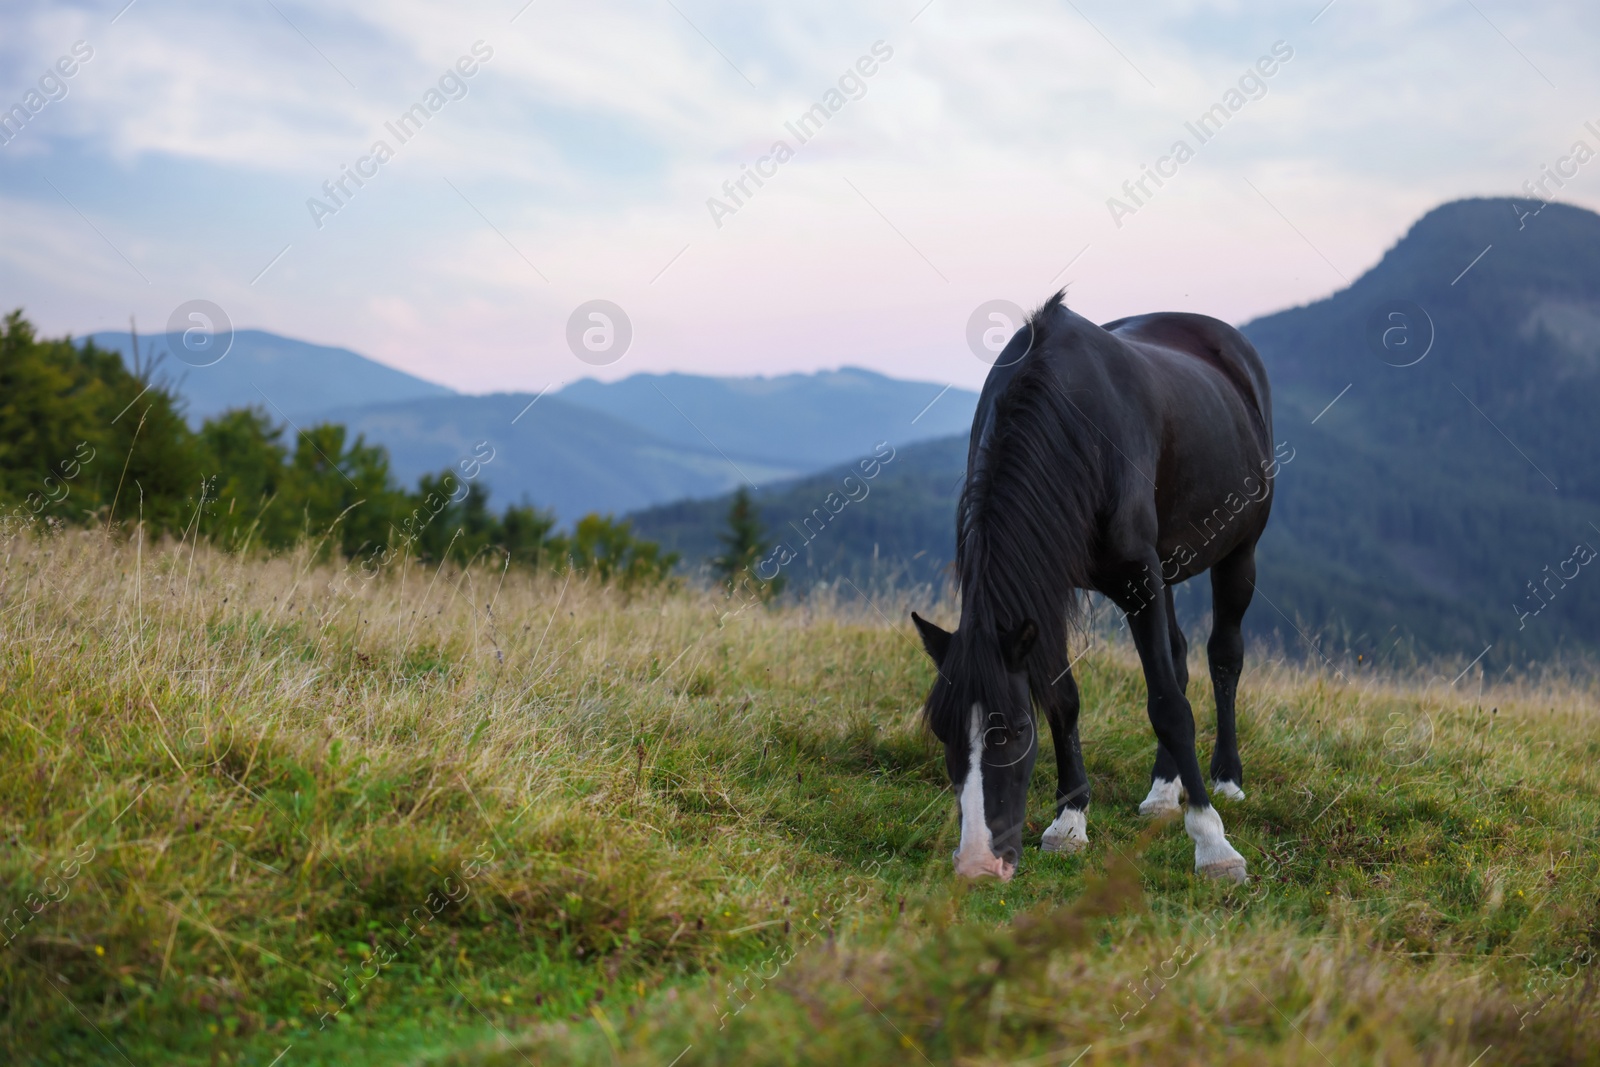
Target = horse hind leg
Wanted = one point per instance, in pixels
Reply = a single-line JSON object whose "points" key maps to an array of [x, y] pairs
{"points": [[1180, 644], [1232, 586], [1165, 790], [1172, 719]]}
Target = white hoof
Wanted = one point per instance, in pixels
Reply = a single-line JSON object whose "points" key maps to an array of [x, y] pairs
{"points": [[1163, 798], [1068, 833], [1232, 870], [1227, 790], [1213, 856]]}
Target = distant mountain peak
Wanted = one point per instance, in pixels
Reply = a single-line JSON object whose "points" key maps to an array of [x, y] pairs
{"points": [[290, 379], [1551, 247]]}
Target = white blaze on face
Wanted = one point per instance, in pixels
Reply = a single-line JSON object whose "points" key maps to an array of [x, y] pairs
{"points": [[976, 855]]}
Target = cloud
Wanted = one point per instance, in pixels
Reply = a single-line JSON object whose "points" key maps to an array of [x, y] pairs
{"points": [[976, 166]]}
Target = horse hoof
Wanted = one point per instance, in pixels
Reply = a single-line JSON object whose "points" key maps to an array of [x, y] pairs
{"points": [[1067, 834], [1163, 798], [1227, 790], [1062, 843], [1229, 869]]}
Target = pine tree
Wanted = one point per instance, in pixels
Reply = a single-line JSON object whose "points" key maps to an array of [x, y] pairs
{"points": [[743, 548]]}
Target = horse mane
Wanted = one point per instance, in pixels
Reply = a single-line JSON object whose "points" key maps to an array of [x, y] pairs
{"points": [[1025, 531]]}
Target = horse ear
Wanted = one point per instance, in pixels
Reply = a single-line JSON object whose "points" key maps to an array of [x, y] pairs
{"points": [[935, 640], [1016, 644]]}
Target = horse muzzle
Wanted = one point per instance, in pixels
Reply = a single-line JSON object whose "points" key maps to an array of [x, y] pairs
{"points": [[985, 865]]}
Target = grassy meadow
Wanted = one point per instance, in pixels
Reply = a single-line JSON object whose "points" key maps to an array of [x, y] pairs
{"points": [[280, 812]]}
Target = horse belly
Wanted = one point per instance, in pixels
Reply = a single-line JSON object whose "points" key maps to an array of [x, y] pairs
{"points": [[1219, 501], [1208, 525]]}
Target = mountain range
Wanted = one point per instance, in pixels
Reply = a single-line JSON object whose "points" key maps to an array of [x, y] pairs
{"points": [[592, 446]]}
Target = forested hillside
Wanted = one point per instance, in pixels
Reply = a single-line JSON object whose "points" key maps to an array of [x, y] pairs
{"points": [[87, 438], [900, 530], [1436, 498]]}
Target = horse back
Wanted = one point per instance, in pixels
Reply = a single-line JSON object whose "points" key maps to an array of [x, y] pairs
{"points": [[1214, 343]]}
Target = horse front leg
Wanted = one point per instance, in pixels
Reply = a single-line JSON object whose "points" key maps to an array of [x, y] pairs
{"points": [[1173, 722], [1070, 830]]}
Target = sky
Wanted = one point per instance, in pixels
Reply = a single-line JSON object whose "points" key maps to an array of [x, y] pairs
{"points": [[959, 153]]}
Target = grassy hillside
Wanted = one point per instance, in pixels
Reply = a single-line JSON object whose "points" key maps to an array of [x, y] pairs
{"points": [[524, 820]]}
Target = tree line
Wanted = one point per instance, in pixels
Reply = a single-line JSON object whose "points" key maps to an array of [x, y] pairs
{"points": [[86, 439]]}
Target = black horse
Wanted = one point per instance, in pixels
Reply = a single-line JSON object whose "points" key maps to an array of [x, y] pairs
{"points": [[1122, 459]]}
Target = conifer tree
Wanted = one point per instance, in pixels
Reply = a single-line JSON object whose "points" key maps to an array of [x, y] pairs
{"points": [[743, 548]]}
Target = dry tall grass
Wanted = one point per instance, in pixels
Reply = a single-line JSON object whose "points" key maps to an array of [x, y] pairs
{"points": [[261, 807]]}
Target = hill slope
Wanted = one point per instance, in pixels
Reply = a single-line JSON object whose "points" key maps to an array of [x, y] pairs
{"points": [[272, 813], [554, 454], [901, 530], [290, 379], [805, 421], [1426, 499], [655, 438]]}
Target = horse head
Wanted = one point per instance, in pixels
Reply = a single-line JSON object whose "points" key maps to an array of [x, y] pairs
{"points": [[981, 710]]}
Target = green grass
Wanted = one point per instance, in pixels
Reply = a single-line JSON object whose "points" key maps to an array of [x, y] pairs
{"points": [[635, 825]]}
